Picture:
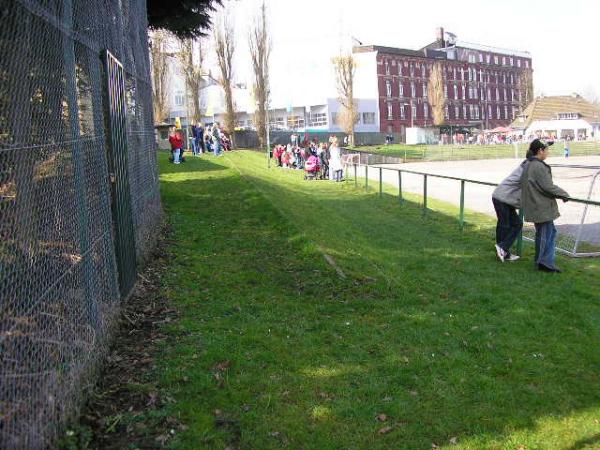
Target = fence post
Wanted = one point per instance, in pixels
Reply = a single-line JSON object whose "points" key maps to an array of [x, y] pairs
{"points": [[424, 194], [461, 218], [367, 178], [404, 154], [355, 177], [380, 181], [520, 238], [400, 185]]}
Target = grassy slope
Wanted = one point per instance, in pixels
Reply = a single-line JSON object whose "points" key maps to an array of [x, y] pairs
{"points": [[427, 328]]}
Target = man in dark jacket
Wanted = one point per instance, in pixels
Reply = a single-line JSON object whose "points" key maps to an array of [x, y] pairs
{"points": [[538, 199]]}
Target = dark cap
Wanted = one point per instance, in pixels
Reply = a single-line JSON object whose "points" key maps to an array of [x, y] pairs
{"points": [[537, 144]]}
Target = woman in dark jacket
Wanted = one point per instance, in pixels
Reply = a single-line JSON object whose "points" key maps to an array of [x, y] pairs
{"points": [[538, 199]]}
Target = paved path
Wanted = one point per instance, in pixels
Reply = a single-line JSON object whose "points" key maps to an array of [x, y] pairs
{"points": [[576, 181]]}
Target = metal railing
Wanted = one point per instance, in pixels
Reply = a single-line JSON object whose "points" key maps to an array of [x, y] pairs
{"points": [[461, 215]]}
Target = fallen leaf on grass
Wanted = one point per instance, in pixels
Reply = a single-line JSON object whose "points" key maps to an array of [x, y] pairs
{"points": [[382, 417], [454, 440], [217, 412], [222, 366], [385, 430]]}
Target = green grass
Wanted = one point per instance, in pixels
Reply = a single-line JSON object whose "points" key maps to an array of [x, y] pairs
{"points": [[468, 152], [274, 349]]}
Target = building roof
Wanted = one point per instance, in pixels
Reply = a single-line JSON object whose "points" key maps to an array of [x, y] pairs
{"points": [[548, 108], [392, 50]]}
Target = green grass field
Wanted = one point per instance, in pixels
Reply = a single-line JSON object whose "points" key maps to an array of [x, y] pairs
{"points": [[465, 152], [426, 340]]}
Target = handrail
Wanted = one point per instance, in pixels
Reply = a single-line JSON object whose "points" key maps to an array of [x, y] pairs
{"points": [[485, 183]]}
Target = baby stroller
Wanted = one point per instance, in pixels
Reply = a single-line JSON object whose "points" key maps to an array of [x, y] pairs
{"points": [[311, 168]]}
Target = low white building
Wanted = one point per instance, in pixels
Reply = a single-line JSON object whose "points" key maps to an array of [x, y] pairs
{"points": [[314, 106], [560, 117]]}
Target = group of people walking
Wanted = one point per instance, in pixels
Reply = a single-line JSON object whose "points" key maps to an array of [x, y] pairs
{"points": [[202, 140], [531, 188], [322, 160]]}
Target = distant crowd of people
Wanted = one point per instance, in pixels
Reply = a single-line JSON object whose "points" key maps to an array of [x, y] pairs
{"points": [[319, 160], [211, 138]]}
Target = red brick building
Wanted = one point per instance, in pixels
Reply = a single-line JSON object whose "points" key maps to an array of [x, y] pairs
{"points": [[484, 87]]}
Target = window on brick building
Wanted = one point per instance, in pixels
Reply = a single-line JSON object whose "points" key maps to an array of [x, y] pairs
{"points": [[388, 88], [488, 58], [389, 111], [497, 94], [495, 59], [399, 69], [498, 112], [446, 113], [368, 118], [412, 70], [456, 112], [401, 89], [424, 90], [455, 91], [413, 91], [445, 91], [505, 112], [414, 111], [402, 112], [387, 68], [526, 64], [518, 63], [505, 98], [423, 71], [464, 111], [490, 111], [481, 57], [426, 110]]}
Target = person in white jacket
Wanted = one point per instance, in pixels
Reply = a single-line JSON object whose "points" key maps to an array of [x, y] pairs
{"points": [[335, 161]]}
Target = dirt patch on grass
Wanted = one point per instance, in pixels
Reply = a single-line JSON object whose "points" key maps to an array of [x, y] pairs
{"points": [[124, 409]]}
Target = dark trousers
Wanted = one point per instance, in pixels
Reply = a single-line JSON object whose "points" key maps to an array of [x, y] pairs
{"points": [[509, 224]]}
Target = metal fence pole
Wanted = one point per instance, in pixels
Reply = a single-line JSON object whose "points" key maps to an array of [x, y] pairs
{"points": [[400, 185], [380, 182], [366, 178], [424, 194], [355, 177], [520, 238], [461, 218]]}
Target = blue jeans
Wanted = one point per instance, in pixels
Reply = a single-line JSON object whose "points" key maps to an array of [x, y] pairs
{"points": [[194, 146], [545, 238], [217, 148], [508, 226]]}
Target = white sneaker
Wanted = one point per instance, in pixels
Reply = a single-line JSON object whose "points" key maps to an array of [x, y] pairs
{"points": [[500, 252], [512, 258]]}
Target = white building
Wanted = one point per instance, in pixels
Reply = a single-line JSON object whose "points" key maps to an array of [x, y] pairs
{"points": [[560, 116], [316, 112]]}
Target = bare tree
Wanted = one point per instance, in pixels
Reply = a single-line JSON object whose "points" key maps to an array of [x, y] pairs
{"points": [[159, 55], [191, 59], [526, 88], [224, 48], [345, 68], [260, 51], [435, 92]]}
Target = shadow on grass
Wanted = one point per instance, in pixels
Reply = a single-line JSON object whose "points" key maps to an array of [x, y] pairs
{"points": [[428, 327]]}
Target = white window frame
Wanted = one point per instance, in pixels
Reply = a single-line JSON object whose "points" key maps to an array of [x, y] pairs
{"points": [[390, 111]]}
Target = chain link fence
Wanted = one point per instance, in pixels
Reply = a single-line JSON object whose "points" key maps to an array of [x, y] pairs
{"points": [[59, 290]]}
